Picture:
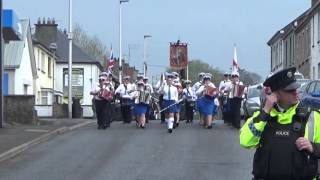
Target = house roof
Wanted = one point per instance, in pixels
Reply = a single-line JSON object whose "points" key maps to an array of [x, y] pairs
{"points": [[78, 55], [290, 27], [14, 49]]}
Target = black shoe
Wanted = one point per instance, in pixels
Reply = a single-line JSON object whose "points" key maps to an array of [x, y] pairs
{"points": [[142, 127], [177, 124], [169, 130], [209, 127]]}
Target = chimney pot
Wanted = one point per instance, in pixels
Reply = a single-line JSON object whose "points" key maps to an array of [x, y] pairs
{"points": [[48, 21], [44, 20], [39, 20]]}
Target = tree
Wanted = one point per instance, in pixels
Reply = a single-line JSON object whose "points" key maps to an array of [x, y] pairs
{"points": [[197, 66], [92, 45]]}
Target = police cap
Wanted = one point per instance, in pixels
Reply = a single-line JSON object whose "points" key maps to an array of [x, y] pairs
{"points": [[282, 80]]}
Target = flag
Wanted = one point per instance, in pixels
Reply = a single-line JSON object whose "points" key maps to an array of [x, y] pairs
{"points": [[111, 61], [235, 65]]}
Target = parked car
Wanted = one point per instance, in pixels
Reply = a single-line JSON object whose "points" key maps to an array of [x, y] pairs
{"points": [[311, 94], [252, 100]]}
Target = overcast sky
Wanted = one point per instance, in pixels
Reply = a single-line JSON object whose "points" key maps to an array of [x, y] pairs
{"points": [[211, 27]]}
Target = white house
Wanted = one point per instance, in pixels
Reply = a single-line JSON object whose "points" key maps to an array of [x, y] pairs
{"points": [[86, 69], [19, 64]]}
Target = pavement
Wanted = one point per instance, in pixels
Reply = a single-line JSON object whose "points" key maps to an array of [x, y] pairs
{"points": [[124, 152], [17, 138]]}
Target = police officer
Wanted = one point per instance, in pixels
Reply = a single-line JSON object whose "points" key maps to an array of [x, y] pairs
{"points": [[285, 133]]}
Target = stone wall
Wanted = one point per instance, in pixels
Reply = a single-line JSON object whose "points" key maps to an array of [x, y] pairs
{"points": [[20, 109]]}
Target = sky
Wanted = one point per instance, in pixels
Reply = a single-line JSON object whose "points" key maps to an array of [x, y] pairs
{"points": [[210, 27]]}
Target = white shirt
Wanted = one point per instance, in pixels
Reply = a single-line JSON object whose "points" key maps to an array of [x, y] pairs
{"points": [[159, 86], [196, 86], [149, 87], [173, 92], [189, 94], [97, 88], [223, 84], [125, 92]]}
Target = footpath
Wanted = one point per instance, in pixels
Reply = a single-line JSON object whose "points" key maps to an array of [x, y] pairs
{"points": [[17, 138]]}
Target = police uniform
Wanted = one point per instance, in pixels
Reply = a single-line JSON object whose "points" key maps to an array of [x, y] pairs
{"points": [[275, 134], [126, 101], [189, 97]]}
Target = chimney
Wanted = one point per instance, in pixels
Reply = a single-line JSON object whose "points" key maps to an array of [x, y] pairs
{"points": [[46, 32], [313, 2]]}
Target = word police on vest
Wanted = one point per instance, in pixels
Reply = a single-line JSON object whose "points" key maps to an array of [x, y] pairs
{"points": [[282, 133]]}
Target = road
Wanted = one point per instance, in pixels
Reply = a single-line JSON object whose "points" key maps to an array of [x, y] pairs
{"points": [[124, 152]]}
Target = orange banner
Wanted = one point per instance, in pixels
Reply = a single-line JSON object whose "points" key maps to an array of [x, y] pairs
{"points": [[178, 56]]}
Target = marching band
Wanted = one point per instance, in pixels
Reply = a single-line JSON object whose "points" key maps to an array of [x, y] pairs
{"points": [[138, 100]]}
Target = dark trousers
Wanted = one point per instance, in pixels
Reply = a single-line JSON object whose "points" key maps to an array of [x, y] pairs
{"points": [[162, 115], [189, 110], [235, 105], [103, 110], [126, 112]]}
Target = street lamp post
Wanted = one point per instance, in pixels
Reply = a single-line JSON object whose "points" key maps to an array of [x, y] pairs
{"points": [[1, 66], [145, 54], [70, 62], [53, 48], [120, 40]]}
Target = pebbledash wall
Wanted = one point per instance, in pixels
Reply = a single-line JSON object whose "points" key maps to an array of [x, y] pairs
{"points": [[90, 79]]}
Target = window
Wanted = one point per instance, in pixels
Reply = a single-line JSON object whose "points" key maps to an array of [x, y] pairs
{"points": [[49, 67], [25, 89], [318, 27], [317, 89], [43, 62], [39, 61], [44, 97], [311, 87]]}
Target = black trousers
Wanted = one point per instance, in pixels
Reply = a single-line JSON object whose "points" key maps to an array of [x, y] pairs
{"points": [[235, 105], [103, 110], [189, 110], [162, 115], [126, 112]]}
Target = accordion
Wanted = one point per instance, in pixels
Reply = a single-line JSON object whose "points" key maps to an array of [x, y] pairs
{"points": [[237, 91], [144, 97], [105, 93], [211, 91]]}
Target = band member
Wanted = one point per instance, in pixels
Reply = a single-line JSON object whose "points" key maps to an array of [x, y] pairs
{"points": [[126, 101], [195, 88], [235, 95], [179, 87], [147, 87], [142, 99], [190, 98], [170, 98], [206, 103], [176, 76], [223, 96], [103, 94], [160, 83]]}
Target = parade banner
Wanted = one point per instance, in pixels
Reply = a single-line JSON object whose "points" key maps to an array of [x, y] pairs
{"points": [[178, 55]]}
